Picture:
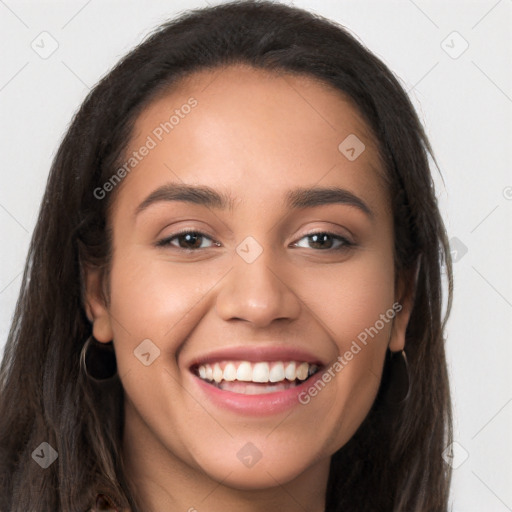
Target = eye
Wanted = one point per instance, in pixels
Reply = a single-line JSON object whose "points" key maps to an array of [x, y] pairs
{"points": [[187, 240], [324, 241], [192, 240]]}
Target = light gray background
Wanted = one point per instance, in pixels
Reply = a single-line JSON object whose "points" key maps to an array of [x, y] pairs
{"points": [[464, 99]]}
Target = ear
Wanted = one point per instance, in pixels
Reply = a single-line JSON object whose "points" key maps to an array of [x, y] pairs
{"points": [[95, 304], [404, 301]]}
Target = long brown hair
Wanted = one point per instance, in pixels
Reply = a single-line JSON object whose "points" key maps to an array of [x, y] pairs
{"points": [[394, 461]]}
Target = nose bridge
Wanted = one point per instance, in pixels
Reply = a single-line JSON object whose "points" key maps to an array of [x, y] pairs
{"points": [[255, 291]]}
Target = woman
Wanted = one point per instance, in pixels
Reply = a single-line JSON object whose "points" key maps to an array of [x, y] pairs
{"points": [[232, 298]]}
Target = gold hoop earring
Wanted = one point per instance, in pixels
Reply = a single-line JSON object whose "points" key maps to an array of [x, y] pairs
{"points": [[396, 379], [98, 360]]}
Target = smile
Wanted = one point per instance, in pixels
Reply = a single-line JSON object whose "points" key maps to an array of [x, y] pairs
{"points": [[253, 378]]}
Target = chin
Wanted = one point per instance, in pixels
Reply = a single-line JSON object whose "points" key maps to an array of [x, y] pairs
{"points": [[266, 473]]}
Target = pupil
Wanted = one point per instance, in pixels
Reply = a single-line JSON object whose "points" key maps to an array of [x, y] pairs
{"points": [[320, 238], [191, 238]]}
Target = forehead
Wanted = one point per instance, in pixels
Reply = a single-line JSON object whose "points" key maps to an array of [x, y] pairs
{"points": [[254, 132], [242, 96]]}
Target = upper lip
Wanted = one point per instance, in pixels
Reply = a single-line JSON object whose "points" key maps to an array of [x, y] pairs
{"points": [[256, 354]]}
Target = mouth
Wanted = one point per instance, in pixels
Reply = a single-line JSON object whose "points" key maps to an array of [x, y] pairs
{"points": [[255, 380], [255, 377]]}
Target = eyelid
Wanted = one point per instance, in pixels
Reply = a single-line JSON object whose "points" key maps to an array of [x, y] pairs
{"points": [[349, 238], [164, 242]]}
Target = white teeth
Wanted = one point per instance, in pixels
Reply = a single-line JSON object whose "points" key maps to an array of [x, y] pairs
{"points": [[260, 372], [244, 372], [289, 371], [276, 373], [302, 371], [217, 373], [230, 372]]}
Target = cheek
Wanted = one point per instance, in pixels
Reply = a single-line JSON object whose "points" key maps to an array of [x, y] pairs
{"points": [[156, 299], [352, 296], [356, 308]]}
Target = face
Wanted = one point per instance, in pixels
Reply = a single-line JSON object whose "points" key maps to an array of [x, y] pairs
{"points": [[250, 323]]}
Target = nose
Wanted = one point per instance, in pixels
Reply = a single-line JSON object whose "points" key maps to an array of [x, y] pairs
{"points": [[258, 292]]}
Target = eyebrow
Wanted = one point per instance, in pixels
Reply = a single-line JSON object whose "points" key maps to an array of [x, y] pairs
{"points": [[295, 199]]}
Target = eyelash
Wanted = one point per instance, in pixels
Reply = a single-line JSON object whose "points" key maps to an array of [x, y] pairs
{"points": [[166, 242]]}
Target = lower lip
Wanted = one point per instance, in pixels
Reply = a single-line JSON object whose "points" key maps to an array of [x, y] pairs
{"points": [[256, 405]]}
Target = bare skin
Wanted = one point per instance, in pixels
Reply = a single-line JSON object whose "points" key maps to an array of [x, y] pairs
{"points": [[254, 136]]}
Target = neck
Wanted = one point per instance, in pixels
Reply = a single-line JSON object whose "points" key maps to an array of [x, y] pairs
{"points": [[163, 481]]}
